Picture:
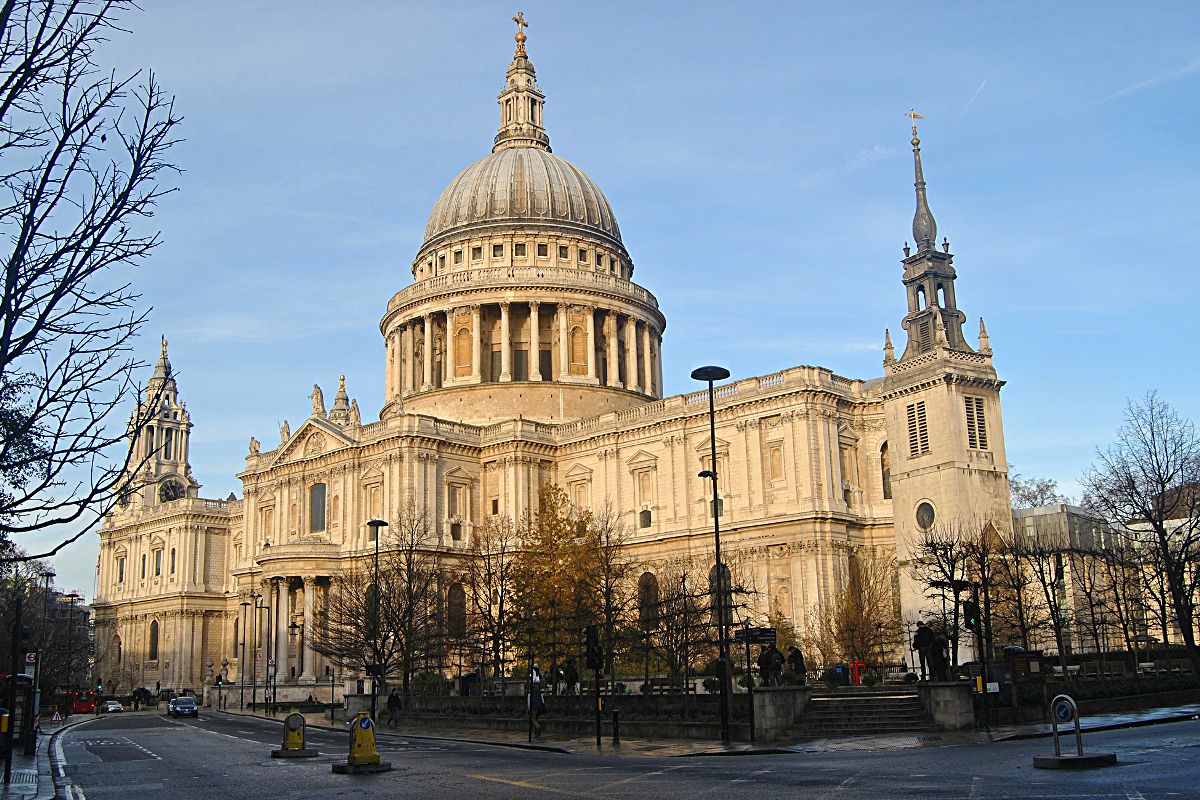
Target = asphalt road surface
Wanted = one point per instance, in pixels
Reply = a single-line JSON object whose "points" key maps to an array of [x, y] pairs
{"points": [[219, 757]]}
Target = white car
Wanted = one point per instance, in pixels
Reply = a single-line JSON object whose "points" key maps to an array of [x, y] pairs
{"points": [[111, 707]]}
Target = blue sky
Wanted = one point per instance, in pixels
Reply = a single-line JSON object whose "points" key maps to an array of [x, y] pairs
{"points": [[757, 159]]}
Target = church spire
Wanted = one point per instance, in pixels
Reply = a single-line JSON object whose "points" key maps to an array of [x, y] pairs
{"points": [[521, 101], [924, 225], [162, 381]]}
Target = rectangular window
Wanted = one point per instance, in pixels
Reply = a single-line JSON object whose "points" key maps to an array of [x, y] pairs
{"points": [[579, 494], [775, 461], [157, 563], [316, 508], [120, 570], [441, 263], [599, 259], [545, 364], [495, 506], [168, 444], [457, 501], [173, 560], [582, 256], [543, 250], [477, 253], [520, 365], [562, 251], [976, 424], [918, 430], [143, 566], [519, 250], [497, 251], [458, 256], [925, 336]]}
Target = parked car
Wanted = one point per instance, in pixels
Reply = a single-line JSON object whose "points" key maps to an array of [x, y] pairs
{"points": [[183, 707], [111, 707]]}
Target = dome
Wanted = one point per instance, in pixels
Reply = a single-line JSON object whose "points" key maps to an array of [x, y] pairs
{"points": [[522, 185]]}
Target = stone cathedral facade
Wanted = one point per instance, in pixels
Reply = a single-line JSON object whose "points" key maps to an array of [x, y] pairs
{"points": [[525, 353]]}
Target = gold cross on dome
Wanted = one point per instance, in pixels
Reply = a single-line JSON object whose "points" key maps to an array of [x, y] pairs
{"points": [[520, 37]]}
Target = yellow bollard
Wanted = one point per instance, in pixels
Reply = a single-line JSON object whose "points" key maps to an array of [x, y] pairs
{"points": [[363, 756], [293, 739]]}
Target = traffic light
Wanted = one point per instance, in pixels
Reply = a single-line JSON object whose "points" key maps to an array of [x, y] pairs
{"points": [[594, 651], [970, 612], [26, 639], [99, 684]]}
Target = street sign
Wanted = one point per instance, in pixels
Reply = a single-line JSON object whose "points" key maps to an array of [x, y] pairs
{"points": [[271, 661], [755, 635], [31, 658], [1064, 710]]}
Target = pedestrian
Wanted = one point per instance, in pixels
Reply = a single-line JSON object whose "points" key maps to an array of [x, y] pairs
{"points": [[777, 661], [571, 675], [796, 662], [922, 642], [938, 656], [764, 666], [536, 702], [393, 707]]}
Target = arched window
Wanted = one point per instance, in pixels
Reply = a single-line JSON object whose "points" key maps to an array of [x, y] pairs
{"points": [[116, 648], [885, 470], [235, 637], [316, 508], [462, 352], [578, 347], [172, 560], [941, 296], [920, 298], [152, 648], [648, 601], [456, 610], [720, 594]]}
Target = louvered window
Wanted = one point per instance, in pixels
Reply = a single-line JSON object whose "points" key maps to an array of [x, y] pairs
{"points": [[926, 338], [918, 430], [976, 424]]}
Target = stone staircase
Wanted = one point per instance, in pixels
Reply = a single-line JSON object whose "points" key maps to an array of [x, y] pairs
{"points": [[860, 713]]}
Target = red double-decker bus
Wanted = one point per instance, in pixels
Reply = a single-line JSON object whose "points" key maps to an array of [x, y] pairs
{"points": [[75, 702]]}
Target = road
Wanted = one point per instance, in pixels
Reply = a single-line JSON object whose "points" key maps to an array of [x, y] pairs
{"points": [[219, 757]]}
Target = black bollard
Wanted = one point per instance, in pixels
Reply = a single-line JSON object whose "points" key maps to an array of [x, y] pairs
{"points": [[616, 727]]}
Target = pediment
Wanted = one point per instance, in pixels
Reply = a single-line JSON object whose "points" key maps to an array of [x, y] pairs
{"points": [[315, 437], [847, 437], [372, 475], [704, 448], [642, 458], [578, 471], [459, 473]]}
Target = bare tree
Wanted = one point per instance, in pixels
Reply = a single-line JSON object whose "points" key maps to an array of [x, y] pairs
{"points": [[82, 156], [1047, 559], [679, 634], [1148, 483], [863, 618], [1017, 612], [1032, 491], [942, 561], [488, 574], [608, 568]]}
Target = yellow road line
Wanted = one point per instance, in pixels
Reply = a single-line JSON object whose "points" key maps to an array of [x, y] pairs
{"points": [[528, 785]]}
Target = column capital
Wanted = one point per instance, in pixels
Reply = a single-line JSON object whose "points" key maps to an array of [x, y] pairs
{"points": [[309, 580], [505, 304]]}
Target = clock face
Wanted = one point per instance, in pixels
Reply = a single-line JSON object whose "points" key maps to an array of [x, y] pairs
{"points": [[170, 490], [925, 515]]}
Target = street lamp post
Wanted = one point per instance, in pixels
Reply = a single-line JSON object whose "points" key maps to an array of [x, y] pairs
{"points": [[709, 375], [242, 661], [377, 667], [71, 599]]}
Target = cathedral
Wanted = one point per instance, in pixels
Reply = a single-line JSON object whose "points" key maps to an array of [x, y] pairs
{"points": [[524, 353]]}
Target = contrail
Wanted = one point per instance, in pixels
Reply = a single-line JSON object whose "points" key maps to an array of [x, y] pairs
{"points": [[969, 102]]}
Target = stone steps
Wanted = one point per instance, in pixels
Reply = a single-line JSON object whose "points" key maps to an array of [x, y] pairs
{"points": [[860, 713]]}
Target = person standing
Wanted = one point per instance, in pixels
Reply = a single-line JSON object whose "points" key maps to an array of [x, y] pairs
{"points": [[777, 661], [796, 662], [536, 702], [571, 675], [922, 642], [393, 707]]}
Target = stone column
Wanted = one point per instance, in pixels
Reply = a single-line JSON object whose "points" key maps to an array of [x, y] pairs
{"points": [[407, 379], [389, 378], [310, 620], [647, 366], [631, 370], [564, 350], [658, 365], [427, 377], [589, 323], [505, 344], [447, 346], [610, 330], [476, 343], [282, 614], [535, 343]]}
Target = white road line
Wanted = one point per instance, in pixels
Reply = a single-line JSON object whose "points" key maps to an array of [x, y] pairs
{"points": [[752, 776], [1133, 794]]}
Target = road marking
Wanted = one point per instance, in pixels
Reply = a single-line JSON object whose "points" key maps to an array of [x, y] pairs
{"points": [[1134, 794], [754, 775], [528, 785], [639, 777]]}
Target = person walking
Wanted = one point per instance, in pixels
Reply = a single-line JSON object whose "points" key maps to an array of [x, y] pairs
{"points": [[922, 642], [795, 660], [536, 702], [393, 707]]}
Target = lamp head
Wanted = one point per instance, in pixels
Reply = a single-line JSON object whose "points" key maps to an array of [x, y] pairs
{"points": [[710, 374], [706, 473]]}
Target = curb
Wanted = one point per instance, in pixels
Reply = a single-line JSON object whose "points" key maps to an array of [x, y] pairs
{"points": [[756, 751], [545, 748], [57, 775], [1114, 726]]}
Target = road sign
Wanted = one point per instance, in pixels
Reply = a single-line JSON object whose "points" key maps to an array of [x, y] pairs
{"points": [[31, 658], [1064, 710], [271, 661], [755, 635]]}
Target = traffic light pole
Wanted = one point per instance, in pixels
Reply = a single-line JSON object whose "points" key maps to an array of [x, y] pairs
{"points": [[983, 663], [12, 688]]}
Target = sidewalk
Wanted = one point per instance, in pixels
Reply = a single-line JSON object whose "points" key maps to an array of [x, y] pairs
{"points": [[33, 776], [661, 748]]}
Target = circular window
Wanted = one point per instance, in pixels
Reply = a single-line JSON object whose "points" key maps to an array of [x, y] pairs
{"points": [[925, 515]]}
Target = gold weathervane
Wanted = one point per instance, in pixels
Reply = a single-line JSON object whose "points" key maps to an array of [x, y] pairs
{"points": [[521, 37], [913, 116]]}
